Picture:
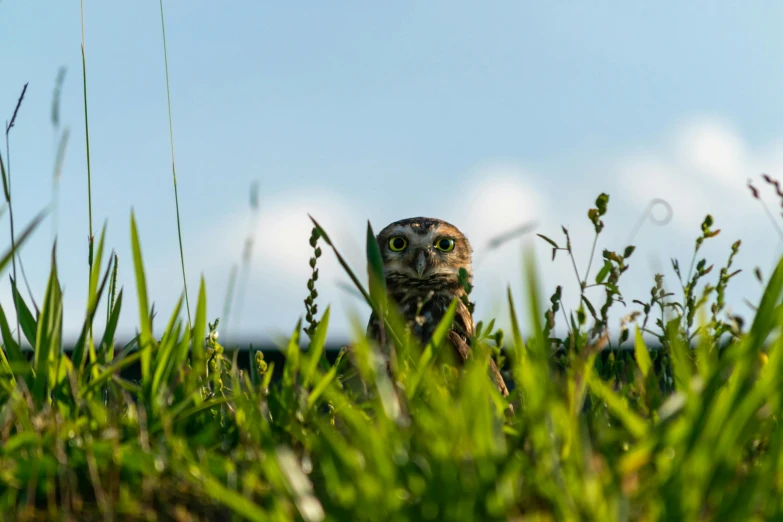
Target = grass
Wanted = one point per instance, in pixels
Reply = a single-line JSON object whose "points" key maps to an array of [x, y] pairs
{"points": [[600, 428], [689, 431], [173, 163]]}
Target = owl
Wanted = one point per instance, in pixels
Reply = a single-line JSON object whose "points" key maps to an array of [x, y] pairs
{"points": [[422, 258]]}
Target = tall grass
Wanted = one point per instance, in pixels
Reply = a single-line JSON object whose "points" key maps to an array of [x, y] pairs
{"points": [[59, 146], [688, 431], [87, 145], [239, 277], [173, 164], [7, 193]]}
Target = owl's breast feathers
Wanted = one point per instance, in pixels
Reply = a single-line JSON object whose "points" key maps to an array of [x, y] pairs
{"points": [[424, 302]]}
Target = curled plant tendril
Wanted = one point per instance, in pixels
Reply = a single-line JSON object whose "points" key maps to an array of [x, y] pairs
{"points": [[648, 213]]}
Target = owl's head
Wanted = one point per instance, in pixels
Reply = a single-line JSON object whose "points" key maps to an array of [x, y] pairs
{"points": [[424, 248]]}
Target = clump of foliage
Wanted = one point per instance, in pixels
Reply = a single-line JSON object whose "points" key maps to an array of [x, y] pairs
{"points": [[686, 432]]}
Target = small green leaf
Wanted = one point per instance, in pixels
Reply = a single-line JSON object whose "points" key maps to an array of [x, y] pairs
{"points": [[641, 354], [605, 270], [542, 236], [590, 307], [319, 388]]}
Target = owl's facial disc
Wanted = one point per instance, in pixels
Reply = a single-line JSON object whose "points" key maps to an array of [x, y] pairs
{"points": [[424, 248], [420, 256]]}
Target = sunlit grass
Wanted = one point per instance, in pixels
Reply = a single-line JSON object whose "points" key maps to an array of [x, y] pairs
{"points": [[687, 431]]}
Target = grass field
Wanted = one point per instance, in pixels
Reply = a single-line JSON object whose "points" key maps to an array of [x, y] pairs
{"points": [[688, 431]]}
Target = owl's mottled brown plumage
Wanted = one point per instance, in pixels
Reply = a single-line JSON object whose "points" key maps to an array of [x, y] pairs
{"points": [[423, 277]]}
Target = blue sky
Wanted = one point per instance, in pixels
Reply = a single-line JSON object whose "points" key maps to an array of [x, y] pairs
{"points": [[485, 114]]}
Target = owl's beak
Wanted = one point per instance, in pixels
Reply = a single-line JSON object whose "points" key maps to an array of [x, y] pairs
{"points": [[421, 264]]}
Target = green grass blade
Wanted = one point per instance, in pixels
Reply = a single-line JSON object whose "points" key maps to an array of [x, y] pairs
{"points": [[215, 490], [106, 350], [163, 356], [181, 353], [375, 273], [173, 165], [145, 338], [680, 355], [95, 270], [15, 354], [80, 347], [642, 355], [20, 239], [343, 262], [26, 320], [321, 386], [432, 349], [292, 355], [766, 315], [519, 352], [635, 424], [200, 328], [87, 140], [47, 340], [108, 372]]}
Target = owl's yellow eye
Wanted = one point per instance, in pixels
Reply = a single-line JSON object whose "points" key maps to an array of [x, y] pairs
{"points": [[445, 244], [398, 243]]}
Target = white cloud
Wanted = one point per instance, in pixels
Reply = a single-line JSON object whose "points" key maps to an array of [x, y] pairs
{"points": [[714, 149], [501, 196]]}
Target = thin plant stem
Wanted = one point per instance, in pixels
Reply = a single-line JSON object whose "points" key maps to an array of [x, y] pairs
{"points": [[54, 184], [247, 253], [7, 188], [58, 163], [87, 142], [772, 219], [576, 271], [693, 263], [173, 167], [13, 237], [91, 238], [27, 285], [58, 147], [565, 317], [590, 262], [232, 279]]}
